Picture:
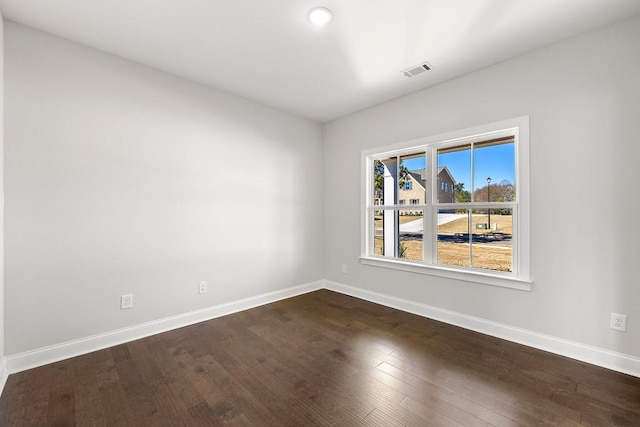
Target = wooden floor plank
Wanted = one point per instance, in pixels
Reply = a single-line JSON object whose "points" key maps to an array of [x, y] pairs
{"points": [[320, 359], [380, 419]]}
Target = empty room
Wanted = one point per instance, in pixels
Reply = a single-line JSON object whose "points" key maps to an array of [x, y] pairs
{"points": [[332, 213]]}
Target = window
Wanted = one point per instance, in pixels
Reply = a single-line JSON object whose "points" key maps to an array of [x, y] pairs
{"points": [[407, 185], [479, 231], [402, 202]]}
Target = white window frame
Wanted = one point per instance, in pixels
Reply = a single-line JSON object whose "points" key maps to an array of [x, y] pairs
{"points": [[519, 277]]}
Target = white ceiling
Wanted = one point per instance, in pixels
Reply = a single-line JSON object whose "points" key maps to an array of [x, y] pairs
{"points": [[265, 50]]}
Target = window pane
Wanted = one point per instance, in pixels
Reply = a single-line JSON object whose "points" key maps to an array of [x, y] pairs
{"points": [[492, 237], [410, 236], [454, 174], [453, 238], [378, 233], [398, 233], [385, 227], [383, 170], [494, 171], [413, 174]]}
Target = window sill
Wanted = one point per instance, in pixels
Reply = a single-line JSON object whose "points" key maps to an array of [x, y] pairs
{"points": [[468, 276]]}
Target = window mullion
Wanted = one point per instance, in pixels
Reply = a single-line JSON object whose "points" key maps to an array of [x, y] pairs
{"points": [[433, 217], [515, 240], [473, 184], [470, 227]]}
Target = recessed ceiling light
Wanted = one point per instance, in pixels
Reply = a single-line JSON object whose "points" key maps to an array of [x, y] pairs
{"points": [[320, 16]]}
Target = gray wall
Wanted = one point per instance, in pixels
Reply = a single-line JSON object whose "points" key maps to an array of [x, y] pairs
{"points": [[122, 179], [583, 98]]}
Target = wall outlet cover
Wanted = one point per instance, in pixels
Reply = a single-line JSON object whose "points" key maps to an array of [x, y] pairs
{"points": [[202, 287], [126, 301], [618, 322]]}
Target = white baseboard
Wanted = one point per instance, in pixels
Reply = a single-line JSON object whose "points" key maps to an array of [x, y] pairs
{"points": [[4, 374], [596, 356], [42, 356]]}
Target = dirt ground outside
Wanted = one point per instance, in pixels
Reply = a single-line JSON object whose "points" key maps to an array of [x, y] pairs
{"points": [[491, 248]]}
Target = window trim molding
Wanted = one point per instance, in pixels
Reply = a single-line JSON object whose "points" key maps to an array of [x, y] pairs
{"points": [[450, 273], [521, 242]]}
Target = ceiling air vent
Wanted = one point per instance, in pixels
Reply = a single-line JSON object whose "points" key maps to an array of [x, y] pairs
{"points": [[417, 69]]}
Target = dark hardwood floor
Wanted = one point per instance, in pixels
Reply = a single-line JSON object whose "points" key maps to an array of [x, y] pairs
{"points": [[320, 359]]}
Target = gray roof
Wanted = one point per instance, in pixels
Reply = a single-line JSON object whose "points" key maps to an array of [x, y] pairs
{"points": [[418, 178], [420, 175]]}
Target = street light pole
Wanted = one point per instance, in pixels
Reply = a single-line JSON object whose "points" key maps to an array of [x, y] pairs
{"points": [[489, 199]]}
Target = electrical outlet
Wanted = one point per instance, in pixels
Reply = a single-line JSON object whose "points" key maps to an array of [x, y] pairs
{"points": [[618, 322], [126, 301], [344, 269], [202, 287]]}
